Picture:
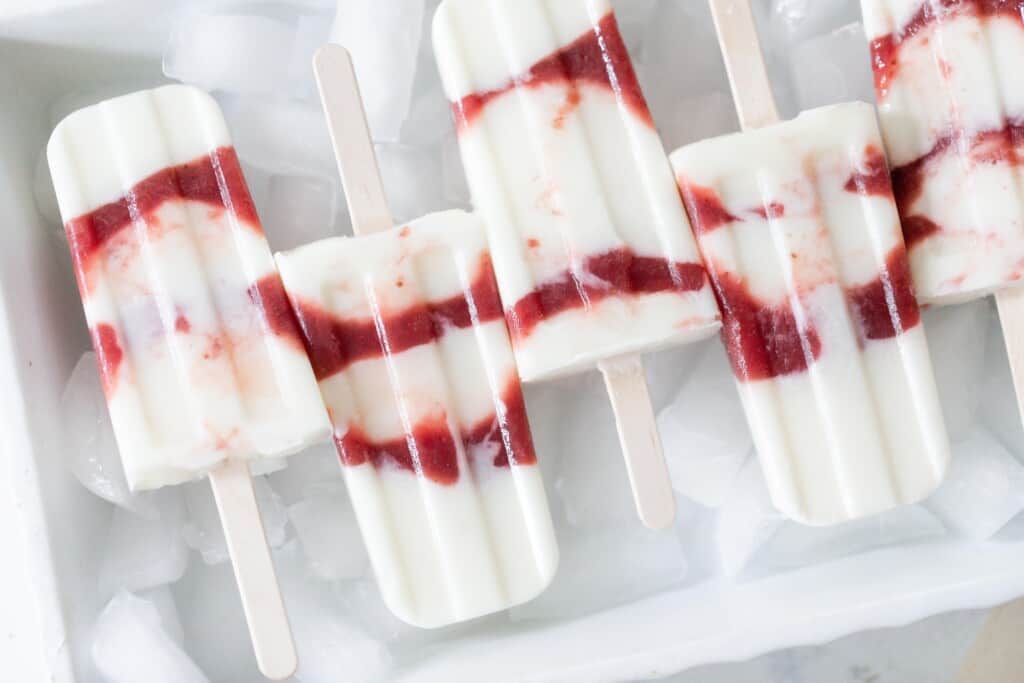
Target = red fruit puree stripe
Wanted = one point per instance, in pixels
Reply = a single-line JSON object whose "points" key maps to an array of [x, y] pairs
{"points": [[430, 447], [885, 50], [614, 273], [334, 342], [598, 57], [109, 355], [215, 179], [763, 340]]}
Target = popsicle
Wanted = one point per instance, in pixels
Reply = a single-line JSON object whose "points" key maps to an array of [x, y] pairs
{"points": [[409, 343], [594, 256], [799, 230], [202, 360], [951, 109]]}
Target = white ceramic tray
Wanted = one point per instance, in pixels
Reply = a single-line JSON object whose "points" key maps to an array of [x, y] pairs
{"points": [[61, 47]]}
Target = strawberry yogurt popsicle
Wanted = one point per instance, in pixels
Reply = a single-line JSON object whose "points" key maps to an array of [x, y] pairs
{"points": [[952, 114], [800, 232], [594, 255], [409, 344], [201, 357]]}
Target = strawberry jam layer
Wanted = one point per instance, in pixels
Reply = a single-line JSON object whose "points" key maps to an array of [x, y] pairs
{"points": [[612, 274], [598, 58], [430, 449], [334, 342]]}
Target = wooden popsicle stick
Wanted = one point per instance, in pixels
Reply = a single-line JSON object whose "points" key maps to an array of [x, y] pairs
{"points": [[744, 61], [254, 570], [350, 136], [996, 654], [641, 445]]}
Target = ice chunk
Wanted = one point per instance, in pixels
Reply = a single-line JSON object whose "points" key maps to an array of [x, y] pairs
{"points": [[412, 180], [793, 20], [704, 431], [327, 529], [163, 600], [315, 471], [592, 483], [362, 601], [455, 188], [216, 635], [141, 553], [668, 369], [747, 520], [131, 644], [232, 52], [697, 118], [796, 545], [280, 137], [92, 450], [633, 16], [429, 121], [999, 411], [386, 68], [606, 567], [331, 646], [957, 341], [835, 67], [203, 530], [984, 488], [300, 209]]}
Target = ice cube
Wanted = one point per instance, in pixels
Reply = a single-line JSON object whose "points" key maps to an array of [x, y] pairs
{"points": [[300, 209], [141, 553], [835, 67], [429, 120], [704, 431], [746, 521], [92, 450], [386, 68], [999, 409], [957, 342], [203, 530], [793, 20], [316, 470], [251, 54], [327, 529], [163, 600], [668, 369], [633, 16], [362, 601], [331, 646], [591, 479], [984, 488], [796, 545], [697, 118], [606, 567], [131, 644], [412, 180], [289, 138], [216, 635], [455, 188]]}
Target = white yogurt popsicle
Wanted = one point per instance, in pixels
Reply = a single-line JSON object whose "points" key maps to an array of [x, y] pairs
{"points": [[593, 252], [201, 357], [409, 343], [801, 236], [952, 113], [592, 248]]}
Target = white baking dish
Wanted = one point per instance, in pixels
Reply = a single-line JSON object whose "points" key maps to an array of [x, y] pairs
{"points": [[60, 47]]}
